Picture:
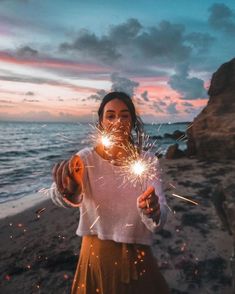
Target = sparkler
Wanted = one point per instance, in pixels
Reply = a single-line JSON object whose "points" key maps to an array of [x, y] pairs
{"points": [[138, 167], [103, 137]]}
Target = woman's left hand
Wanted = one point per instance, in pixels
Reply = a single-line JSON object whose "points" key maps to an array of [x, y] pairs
{"points": [[148, 202]]}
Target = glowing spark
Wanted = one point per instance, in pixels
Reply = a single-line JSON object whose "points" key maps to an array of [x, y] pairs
{"points": [[94, 222], [102, 137], [186, 199], [172, 185], [138, 167], [129, 225], [40, 210], [106, 141]]}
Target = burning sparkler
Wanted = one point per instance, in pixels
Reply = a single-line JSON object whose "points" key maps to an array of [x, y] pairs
{"points": [[138, 167], [103, 137]]}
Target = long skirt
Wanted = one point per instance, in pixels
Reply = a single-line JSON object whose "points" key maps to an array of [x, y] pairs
{"points": [[108, 267]]}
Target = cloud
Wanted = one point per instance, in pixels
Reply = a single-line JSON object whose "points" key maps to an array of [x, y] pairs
{"points": [[98, 96], [120, 84], [162, 103], [189, 88], [27, 52], [222, 18], [187, 104], [87, 44], [171, 108], [126, 32], [5, 101], [144, 95], [155, 106], [165, 43], [123, 84], [30, 100], [189, 110], [29, 93], [200, 41]]}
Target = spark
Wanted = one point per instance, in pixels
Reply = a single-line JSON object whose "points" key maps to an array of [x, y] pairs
{"points": [[186, 199], [103, 137], [106, 141], [129, 225], [94, 222], [137, 168], [65, 138], [45, 191], [40, 210]]}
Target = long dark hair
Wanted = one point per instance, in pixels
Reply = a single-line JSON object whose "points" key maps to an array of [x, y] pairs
{"points": [[137, 123]]}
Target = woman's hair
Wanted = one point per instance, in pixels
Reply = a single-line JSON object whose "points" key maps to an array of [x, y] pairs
{"points": [[137, 123]]}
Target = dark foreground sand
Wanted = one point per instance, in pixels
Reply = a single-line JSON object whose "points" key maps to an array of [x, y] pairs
{"points": [[39, 255]]}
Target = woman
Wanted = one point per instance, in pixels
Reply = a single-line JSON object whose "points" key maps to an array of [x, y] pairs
{"points": [[117, 219]]}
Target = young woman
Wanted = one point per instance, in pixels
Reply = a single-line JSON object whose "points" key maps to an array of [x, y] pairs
{"points": [[117, 221]]}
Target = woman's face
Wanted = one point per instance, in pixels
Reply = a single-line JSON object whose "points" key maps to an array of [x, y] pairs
{"points": [[117, 119]]}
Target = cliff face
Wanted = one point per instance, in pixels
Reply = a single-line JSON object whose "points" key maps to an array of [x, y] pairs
{"points": [[212, 135]]}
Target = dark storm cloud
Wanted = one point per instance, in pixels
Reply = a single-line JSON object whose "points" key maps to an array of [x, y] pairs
{"points": [[165, 43], [125, 32], [171, 108], [26, 52], [29, 93], [189, 88], [155, 106], [120, 84], [144, 95], [187, 104], [222, 18], [97, 97], [162, 103], [200, 41], [123, 84], [90, 45]]}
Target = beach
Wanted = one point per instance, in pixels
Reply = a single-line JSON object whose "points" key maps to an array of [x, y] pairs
{"points": [[39, 247]]}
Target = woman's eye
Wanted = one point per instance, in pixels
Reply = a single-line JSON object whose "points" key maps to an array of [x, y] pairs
{"points": [[126, 116], [110, 117]]}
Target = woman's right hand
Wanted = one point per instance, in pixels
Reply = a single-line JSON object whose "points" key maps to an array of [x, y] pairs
{"points": [[68, 176]]}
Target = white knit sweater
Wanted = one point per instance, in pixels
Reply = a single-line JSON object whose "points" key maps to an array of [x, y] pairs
{"points": [[109, 204]]}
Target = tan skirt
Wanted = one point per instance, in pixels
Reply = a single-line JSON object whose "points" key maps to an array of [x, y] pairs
{"points": [[108, 267]]}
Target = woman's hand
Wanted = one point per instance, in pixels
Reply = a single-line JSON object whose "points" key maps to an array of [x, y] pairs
{"points": [[68, 176], [148, 202]]}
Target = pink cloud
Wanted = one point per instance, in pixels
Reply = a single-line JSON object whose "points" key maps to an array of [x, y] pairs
{"points": [[54, 64]]}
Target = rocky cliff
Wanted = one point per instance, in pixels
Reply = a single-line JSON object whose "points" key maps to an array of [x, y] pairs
{"points": [[212, 135]]}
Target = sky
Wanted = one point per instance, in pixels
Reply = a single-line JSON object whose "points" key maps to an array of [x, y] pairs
{"points": [[59, 58]]}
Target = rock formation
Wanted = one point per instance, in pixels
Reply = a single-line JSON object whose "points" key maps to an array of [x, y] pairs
{"points": [[212, 135]]}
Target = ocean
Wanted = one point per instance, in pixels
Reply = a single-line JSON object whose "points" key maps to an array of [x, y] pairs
{"points": [[28, 151]]}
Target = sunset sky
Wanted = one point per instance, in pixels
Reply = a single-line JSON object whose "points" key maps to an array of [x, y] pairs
{"points": [[59, 58]]}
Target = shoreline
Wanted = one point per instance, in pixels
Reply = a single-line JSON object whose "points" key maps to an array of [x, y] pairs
{"points": [[14, 207]]}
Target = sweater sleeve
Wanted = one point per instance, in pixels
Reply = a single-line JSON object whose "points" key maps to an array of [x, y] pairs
{"points": [[57, 198], [156, 182], [61, 201]]}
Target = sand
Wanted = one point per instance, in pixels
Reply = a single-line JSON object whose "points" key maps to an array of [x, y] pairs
{"points": [[39, 252]]}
